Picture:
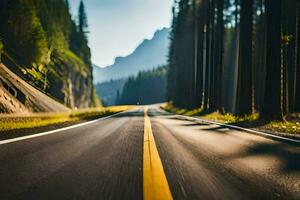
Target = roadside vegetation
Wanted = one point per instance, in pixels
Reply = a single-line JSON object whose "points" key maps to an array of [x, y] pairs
{"points": [[48, 48], [14, 122], [290, 126], [238, 57]]}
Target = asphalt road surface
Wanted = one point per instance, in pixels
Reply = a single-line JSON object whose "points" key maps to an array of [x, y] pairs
{"points": [[104, 160]]}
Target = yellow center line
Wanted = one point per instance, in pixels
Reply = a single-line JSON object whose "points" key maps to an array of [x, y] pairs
{"points": [[155, 184]]}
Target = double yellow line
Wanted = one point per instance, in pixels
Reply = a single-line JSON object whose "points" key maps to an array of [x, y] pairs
{"points": [[155, 184]]}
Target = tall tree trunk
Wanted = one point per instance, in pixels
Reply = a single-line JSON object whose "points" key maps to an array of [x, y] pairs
{"points": [[171, 80], [272, 108], [195, 52], [200, 54], [289, 55], [259, 57], [297, 66], [190, 59], [212, 83], [207, 55], [220, 49], [244, 88]]}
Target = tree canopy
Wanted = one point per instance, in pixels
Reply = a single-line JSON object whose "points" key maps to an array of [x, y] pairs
{"points": [[147, 87], [51, 51]]}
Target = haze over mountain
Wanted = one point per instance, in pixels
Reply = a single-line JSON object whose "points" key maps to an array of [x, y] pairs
{"points": [[148, 55]]}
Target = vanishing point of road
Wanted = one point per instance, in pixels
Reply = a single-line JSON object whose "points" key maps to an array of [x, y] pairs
{"points": [[146, 153]]}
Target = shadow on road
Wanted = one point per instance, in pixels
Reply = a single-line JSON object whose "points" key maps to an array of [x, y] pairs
{"points": [[290, 157], [218, 129]]}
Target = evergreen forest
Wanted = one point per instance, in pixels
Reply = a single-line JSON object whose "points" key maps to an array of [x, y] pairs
{"points": [[236, 56]]}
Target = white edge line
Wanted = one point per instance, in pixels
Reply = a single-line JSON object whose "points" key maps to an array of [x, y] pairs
{"points": [[56, 130], [244, 129]]}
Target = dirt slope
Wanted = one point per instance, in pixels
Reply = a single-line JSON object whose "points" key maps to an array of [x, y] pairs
{"points": [[17, 96]]}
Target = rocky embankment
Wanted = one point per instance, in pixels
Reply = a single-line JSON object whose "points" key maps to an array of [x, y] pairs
{"points": [[17, 96]]}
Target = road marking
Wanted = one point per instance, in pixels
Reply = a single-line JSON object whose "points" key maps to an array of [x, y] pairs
{"points": [[56, 130], [155, 184]]}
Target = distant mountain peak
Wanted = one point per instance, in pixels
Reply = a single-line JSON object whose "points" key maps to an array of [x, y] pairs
{"points": [[149, 54]]}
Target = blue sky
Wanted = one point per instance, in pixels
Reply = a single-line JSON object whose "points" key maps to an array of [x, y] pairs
{"points": [[117, 27]]}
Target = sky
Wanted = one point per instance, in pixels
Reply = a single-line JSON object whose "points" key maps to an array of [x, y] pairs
{"points": [[117, 27]]}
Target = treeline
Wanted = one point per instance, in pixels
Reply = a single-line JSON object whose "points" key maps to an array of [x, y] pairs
{"points": [[237, 56], [147, 87], [110, 91], [48, 48]]}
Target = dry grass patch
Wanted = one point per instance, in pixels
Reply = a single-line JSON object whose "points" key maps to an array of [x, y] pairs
{"points": [[13, 122], [285, 127], [181, 111]]}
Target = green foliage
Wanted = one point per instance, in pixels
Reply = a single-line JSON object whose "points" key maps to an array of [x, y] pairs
{"points": [[36, 44], [110, 91], [214, 116], [82, 18], [233, 56], [1, 46], [71, 59], [96, 101], [48, 46], [28, 36], [286, 39], [67, 4], [146, 88]]}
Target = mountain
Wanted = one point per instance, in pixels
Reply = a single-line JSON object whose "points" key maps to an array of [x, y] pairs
{"points": [[147, 87], [43, 45], [148, 55]]}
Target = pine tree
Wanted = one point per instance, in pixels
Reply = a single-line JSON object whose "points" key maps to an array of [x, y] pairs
{"points": [[297, 67], [252, 47], [67, 4], [273, 101], [82, 18], [219, 50], [244, 89], [41, 37]]}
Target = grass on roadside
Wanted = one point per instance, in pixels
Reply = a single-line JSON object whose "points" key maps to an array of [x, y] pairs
{"points": [[215, 116], [290, 126], [13, 122], [181, 111]]}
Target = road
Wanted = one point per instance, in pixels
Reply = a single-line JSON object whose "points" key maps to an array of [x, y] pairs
{"points": [[108, 160]]}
